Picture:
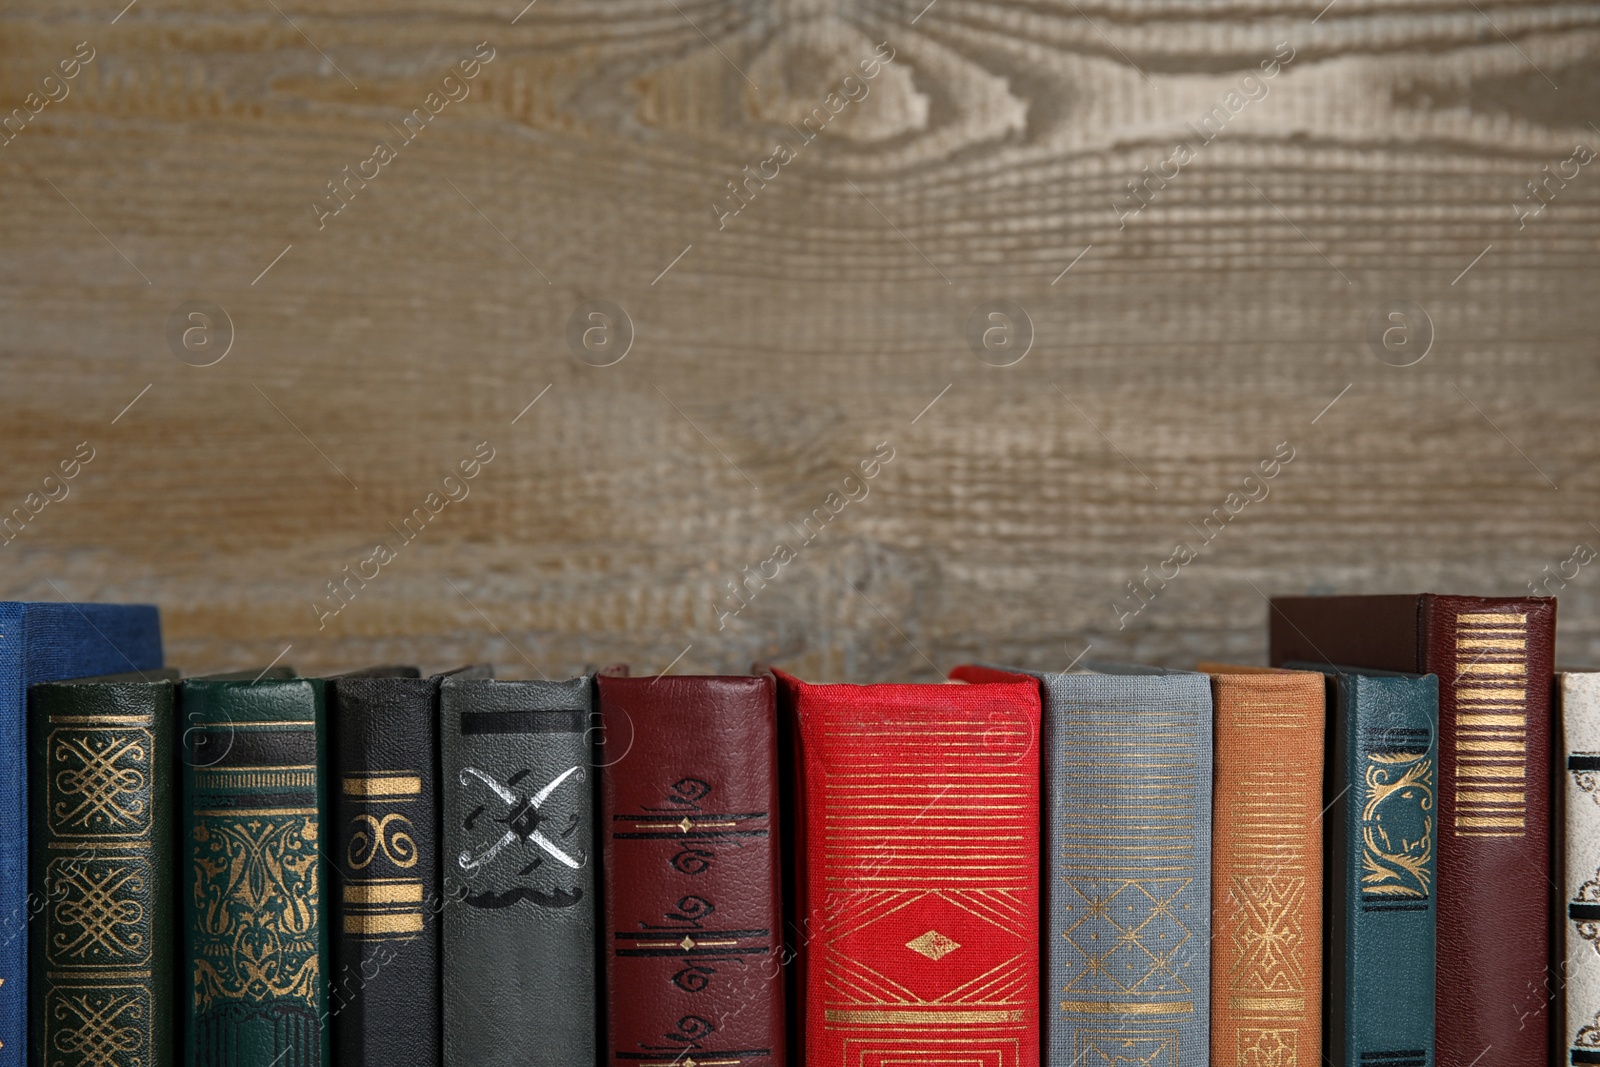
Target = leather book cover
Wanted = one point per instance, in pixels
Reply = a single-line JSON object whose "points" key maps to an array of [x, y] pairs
{"points": [[519, 921], [1127, 825], [1382, 835], [1494, 658], [384, 993], [691, 933], [1580, 940], [105, 808], [46, 642], [1266, 866], [255, 936], [917, 898]]}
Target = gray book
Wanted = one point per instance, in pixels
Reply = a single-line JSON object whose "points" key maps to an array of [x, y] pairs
{"points": [[1127, 829], [519, 873]]}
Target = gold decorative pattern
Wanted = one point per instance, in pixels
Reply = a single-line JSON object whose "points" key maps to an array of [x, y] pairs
{"points": [[258, 900], [1125, 1048], [933, 945], [1396, 825], [374, 837], [98, 1026], [1268, 938], [98, 782], [1491, 721], [97, 919], [1268, 1048]]}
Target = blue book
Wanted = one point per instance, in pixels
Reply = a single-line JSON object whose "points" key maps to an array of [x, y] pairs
{"points": [[46, 643]]}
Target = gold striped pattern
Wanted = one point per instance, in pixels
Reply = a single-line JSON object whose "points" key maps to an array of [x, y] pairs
{"points": [[383, 907], [266, 778], [1491, 723], [922, 1016], [382, 784], [1129, 1007]]}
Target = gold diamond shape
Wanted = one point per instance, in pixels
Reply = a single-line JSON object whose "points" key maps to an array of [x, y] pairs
{"points": [[686, 824], [933, 945], [687, 943]]}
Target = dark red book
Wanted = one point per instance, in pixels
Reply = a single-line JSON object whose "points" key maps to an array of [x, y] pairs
{"points": [[692, 917], [917, 883], [1494, 657]]}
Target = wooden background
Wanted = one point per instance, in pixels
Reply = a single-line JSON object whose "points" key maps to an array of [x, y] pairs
{"points": [[775, 353]]}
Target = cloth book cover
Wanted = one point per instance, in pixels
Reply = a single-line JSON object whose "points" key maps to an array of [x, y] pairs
{"points": [[46, 643], [105, 807], [1127, 824], [255, 933], [1266, 866], [384, 993], [1494, 658], [1580, 940], [692, 923], [519, 921], [1382, 832], [917, 889]]}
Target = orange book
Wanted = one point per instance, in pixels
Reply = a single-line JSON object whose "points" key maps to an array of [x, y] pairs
{"points": [[1266, 867]]}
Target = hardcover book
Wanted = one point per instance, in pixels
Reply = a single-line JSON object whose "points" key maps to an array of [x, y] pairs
{"points": [[692, 923], [1381, 824], [1580, 721], [105, 941], [1493, 657], [384, 993], [1266, 866], [1127, 823], [46, 643], [519, 920], [917, 891], [255, 937]]}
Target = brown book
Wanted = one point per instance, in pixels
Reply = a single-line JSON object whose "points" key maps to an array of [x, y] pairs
{"points": [[1266, 865], [1494, 658]]}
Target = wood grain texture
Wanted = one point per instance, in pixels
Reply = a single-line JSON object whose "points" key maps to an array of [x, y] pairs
{"points": [[1385, 161]]}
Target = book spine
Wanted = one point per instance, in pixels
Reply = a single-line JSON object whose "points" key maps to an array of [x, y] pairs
{"points": [[1266, 873], [689, 822], [920, 929], [256, 943], [384, 989], [104, 945], [1128, 776], [519, 922], [1383, 834], [1494, 663], [15, 903], [1580, 716]]}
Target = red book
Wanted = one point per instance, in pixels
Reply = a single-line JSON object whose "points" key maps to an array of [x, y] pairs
{"points": [[1494, 657], [691, 925], [917, 895]]}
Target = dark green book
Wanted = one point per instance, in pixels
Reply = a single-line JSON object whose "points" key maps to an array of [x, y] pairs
{"points": [[255, 933], [104, 818], [1381, 847]]}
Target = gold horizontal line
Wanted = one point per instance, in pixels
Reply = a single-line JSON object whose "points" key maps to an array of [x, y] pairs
{"points": [[257, 811], [1469, 797], [1474, 771], [110, 720], [1491, 642], [1255, 1005], [1468, 618], [395, 923], [883, 1016], [386, 893], [1490, 820], [1491, 720], [96, 976], [1129, 1007]]}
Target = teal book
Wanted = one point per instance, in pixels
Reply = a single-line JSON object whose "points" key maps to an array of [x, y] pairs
{"points": [[1380, 840], [255, 927]]}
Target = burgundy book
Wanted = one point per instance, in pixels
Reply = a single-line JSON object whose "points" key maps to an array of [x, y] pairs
{"points": [[692, 922], [1494, 657]]}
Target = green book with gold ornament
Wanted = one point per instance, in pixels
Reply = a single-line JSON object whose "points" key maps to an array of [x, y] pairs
{"points": [[255, 936]]}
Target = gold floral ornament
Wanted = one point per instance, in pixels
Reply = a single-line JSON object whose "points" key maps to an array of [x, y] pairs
{"points": [[1396, 829], [257, 895]]}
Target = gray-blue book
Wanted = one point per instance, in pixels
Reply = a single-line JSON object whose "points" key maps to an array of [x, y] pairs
{"points": [[1127, 830]]}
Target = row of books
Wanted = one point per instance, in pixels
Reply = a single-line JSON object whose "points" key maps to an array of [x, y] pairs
{"points": [[1097, 867]]}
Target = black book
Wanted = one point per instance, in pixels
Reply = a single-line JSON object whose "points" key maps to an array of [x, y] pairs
{"points": [[384, 994]]}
